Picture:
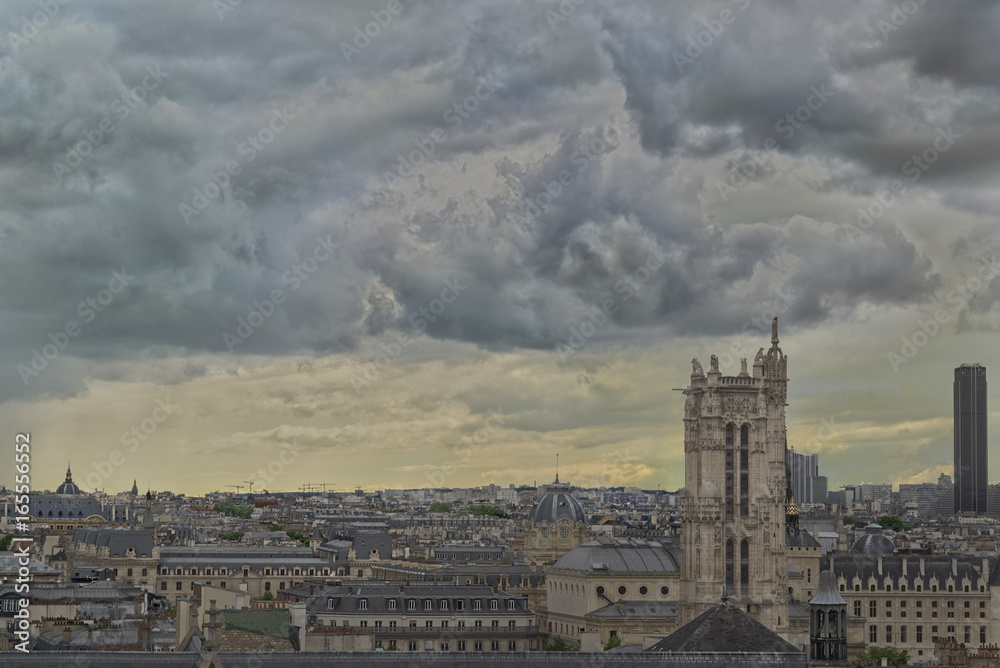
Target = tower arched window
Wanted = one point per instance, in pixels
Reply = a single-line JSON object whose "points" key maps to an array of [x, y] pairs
{"points": [[730, 482], [744, 470], [745, 567], [729, 566]]}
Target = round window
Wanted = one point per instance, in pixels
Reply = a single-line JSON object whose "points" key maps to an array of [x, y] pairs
{"points": [[600, 590], [622, 590], [643, 590], [664, 590]]}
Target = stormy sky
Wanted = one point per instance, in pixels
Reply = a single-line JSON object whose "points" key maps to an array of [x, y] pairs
{"points": [[404, 244]]}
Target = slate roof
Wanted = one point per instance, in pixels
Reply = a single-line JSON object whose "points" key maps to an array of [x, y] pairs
{"points": [[873, 541], [117, 541], [338, 599], [9, 563], [619, 556], [724, 628], [801, 539], [636, 610], [865, 567], [557, 504]]}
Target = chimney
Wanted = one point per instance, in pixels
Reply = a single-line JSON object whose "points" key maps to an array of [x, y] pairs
{"points": [[906, 572], [401, 589], [880, 564], [954, 567], [986, 567], [350, 590], [921, 567]]}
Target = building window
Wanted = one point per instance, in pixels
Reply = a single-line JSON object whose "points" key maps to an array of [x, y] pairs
{"points": [[872, 634], [729, 473], [267, 586], [477, 604], [643, 590], [745, 565], [511, 623], [478, 624], [413, 645], [510, 604], [444, 645], [857, 608], [494, 604], [902, 634], [873, 608], [429, 623], [744, 472], [163, 586], [888, 634], [364, 623], [460, 604], [443, 605], [177, 586], [479, 646], [362, 604], [920, 634], [461, 623], [461, 645], [444, 623], [129, 573], [968, 634], [664, 590], [392, 624], [392, 604], [511, 645], [495, 645], [730, 556], [411, 604], [982, 635]]}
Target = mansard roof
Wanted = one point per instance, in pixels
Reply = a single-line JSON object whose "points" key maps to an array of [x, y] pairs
{"points": [[939, 568]]}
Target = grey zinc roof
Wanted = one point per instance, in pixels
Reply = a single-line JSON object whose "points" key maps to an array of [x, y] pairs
{"points": [[801, 539], [619, 556], [9, 563], [865, 567], [636, 610], [724, 628], [827, 593], [873, 541], [557, 504]]}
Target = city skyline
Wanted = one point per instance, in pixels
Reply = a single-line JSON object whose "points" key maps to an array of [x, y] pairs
{"points": [[435, 246]]}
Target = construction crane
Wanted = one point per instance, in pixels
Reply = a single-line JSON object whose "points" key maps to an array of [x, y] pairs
{"points": [[238, 487], [250, 483]]}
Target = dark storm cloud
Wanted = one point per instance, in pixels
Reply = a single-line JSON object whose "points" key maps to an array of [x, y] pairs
{"points": [[207, 126]]}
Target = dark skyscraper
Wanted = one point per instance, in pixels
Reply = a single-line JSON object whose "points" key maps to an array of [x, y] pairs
{"points": [[971, 464]]}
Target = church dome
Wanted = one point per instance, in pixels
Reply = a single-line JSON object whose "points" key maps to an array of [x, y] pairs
{"points": [[557, 504], [873, 542], [68, 486]]}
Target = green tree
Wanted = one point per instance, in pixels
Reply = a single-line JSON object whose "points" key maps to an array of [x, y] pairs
{"points": [[277, 527], [613, 641], [873, 657], [440, 507], [487, 509], [560, 645], [230, 509], [5, 542], [893, 523], [231, 535], [268, 596]]}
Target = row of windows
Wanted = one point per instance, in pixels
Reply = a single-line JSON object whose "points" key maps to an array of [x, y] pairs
{"points": [[411, 604], [744, 471], [902, 588], [460, 645], [873, 608], [222, 570], [622, 590], [888, 638], [429, 624]]}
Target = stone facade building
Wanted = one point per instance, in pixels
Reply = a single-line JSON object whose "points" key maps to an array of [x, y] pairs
{"points": [[734, 502]]}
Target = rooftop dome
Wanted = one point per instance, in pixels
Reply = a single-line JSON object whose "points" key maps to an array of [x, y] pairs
{"points": [[620, 556], [68, 486], [873, 542], [557, 504]]}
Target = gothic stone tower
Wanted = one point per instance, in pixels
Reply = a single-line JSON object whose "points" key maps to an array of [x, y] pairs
{"points": [[733, 506]]}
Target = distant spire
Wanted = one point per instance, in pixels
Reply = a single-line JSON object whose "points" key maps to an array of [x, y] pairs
{"points": [[774, 332], [69, 473], [557, 468]]}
